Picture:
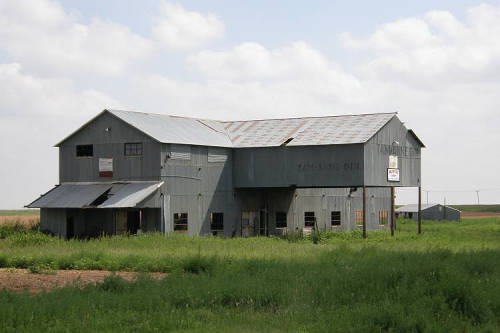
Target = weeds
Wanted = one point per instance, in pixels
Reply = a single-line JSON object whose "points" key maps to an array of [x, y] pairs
{"points": [[445, 280]]}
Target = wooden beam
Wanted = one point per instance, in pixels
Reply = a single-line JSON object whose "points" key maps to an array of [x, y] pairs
{"points": [[393, 214], [364, 211]]}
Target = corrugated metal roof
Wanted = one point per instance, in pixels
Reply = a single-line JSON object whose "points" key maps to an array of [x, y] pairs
{"points": [[70, 196], [81, 195], [172, 129], [130, 195], [328, 130], [306, 131]]}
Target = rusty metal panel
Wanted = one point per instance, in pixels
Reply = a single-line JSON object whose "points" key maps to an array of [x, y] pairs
{"points": [[306, 131]]}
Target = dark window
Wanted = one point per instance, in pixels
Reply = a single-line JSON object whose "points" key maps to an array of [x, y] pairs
{"points": [[217, 221], [309, 219], [133, 149], [84, 150], [180, 222], [359, 217], [382, 217], [280, 220], [335, 218]]}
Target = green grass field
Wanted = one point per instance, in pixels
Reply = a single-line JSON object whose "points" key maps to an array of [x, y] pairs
{"points": [[478, 208], [445, 280], [19, 212]]}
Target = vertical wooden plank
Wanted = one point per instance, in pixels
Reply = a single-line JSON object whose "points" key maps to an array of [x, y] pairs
{"points": [[393, 214], [419, 210], [364, 211]]}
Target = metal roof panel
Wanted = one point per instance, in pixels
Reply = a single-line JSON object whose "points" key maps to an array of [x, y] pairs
{"points": [[70, 196]]}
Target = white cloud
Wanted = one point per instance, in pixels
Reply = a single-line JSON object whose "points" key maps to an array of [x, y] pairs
{"points": [[35, 114], [435, 48], [179, 28], [44, 38]]}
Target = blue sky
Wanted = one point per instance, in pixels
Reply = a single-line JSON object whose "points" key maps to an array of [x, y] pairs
{"points": [[436, 63]]}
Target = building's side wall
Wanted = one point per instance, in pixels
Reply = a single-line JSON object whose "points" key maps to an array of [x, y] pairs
{"points": [[109, 144], [198, 187], [53, 220], [321, 201], [304, 166], [393, 139], [440, 213]]}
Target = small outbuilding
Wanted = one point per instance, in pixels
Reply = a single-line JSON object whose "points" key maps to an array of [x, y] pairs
{"points": [[429, 212]]}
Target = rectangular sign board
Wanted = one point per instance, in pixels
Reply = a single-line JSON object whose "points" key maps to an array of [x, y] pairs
{"points": [[105, 167], [393, 175]]}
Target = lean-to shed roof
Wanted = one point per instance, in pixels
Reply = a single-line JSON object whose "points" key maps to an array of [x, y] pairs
{"points": [[330, 130]]}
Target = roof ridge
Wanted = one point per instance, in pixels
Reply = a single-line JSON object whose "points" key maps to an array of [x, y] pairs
{"points": [[262, 119]]}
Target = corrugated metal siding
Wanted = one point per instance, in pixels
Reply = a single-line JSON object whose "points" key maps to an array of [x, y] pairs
{"points": [[392, 139], [109, 144]]}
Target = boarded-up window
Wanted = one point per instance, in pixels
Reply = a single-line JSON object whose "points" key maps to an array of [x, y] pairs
{"points": [[358, 217], [181, 222], [309, 219], [84, 150], [335, 218], [382, 217], [217, 155], [217, 221], [280, 220], [180, 152]]}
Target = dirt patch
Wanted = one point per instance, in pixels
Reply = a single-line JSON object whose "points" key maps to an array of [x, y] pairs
{"points": [[479, 215], [19, 280]]}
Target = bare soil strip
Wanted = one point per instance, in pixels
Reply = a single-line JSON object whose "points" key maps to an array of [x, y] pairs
{"points": [[479, 215], [20, 280]]}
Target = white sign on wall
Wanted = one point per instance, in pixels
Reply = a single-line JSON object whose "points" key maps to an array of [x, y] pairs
{"points": [[393, 175], [106, 167], [393, 162]]}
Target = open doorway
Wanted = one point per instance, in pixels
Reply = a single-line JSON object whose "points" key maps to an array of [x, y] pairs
{"points": [[127, 222]]}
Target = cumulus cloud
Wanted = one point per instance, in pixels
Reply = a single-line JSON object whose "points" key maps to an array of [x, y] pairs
{"points": [[179, 28], [436, 46], [44, 38], [35, 114]]}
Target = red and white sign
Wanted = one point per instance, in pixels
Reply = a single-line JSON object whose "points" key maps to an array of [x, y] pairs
{"points": [[393, 175]]}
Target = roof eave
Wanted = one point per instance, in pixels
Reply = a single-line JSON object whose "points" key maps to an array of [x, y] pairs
{"points": [[416, 138]]}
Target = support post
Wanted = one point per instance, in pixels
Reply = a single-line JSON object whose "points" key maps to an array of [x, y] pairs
{"points": [[393, 215], [364, 211], [419, 210]]}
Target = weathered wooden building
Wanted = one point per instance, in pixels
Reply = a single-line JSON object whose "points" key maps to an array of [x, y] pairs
{"points": [[429, 212], [136, 172]]}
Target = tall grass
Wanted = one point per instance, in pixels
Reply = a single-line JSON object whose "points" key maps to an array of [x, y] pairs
{"points": [[445, 280]]}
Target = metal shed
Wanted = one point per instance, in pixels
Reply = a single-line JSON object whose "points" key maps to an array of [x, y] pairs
{"points": [[429, 212], [125, 171]]}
